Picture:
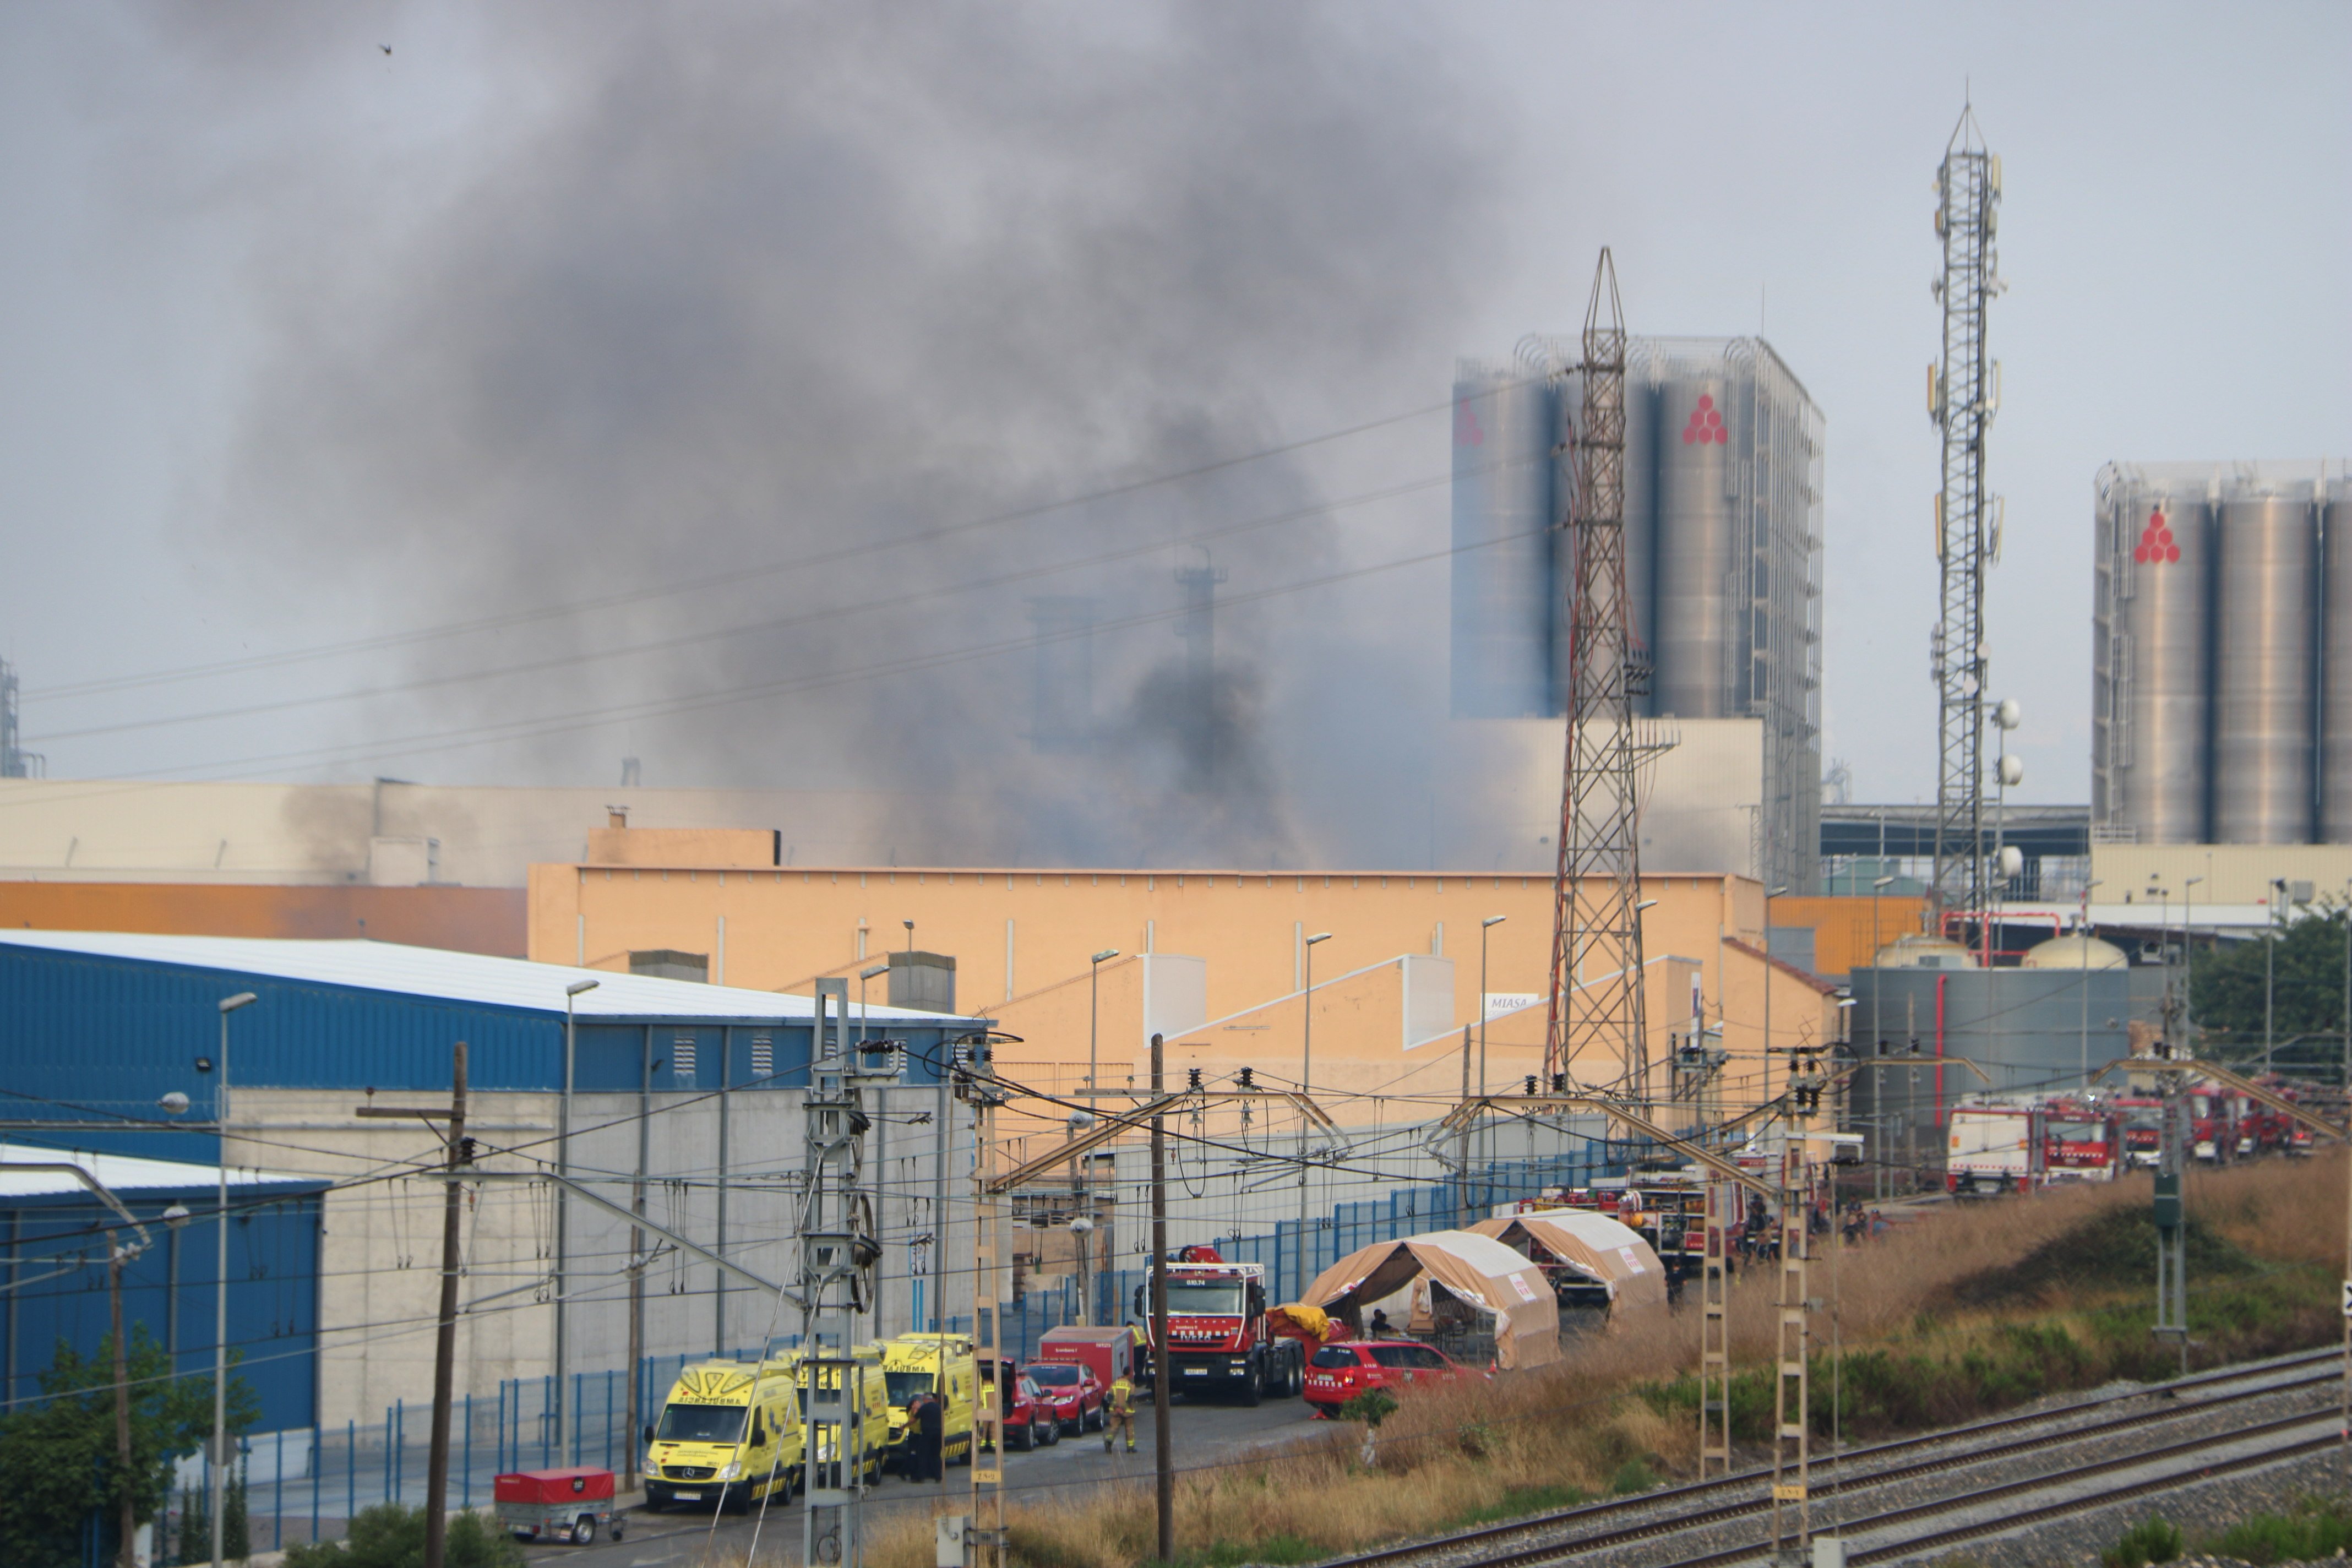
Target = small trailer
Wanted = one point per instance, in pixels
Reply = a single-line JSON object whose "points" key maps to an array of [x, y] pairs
{"points": [[557, 1505]]}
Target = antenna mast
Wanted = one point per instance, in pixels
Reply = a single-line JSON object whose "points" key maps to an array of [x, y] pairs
{"points": [[1963, 394], [1596, 933]]}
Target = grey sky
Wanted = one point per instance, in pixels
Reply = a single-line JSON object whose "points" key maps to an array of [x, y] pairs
{"points": [[306, 341]]}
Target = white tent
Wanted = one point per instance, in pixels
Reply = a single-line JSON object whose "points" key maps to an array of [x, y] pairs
{"points": [[1476, 1270]]}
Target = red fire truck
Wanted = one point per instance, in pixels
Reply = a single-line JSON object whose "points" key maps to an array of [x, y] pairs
{"points": [[2082, 1139], [1218, 1338], [1667, 1208]]}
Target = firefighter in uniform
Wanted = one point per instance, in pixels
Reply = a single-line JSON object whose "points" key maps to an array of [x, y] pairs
{"points": [[1121, 1413]]}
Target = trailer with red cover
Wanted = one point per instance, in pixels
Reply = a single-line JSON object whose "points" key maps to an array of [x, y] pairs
{"points": [[557, 1505]]}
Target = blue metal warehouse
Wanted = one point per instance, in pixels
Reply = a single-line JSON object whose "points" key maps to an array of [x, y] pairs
{"points": [[98, 1026], [99, 1029], [57, 1231]]}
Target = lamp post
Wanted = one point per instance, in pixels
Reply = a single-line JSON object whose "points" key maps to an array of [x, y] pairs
{"points": [[2083, 929], [2188, 957], [1305, 1070], [2270, 969], [1878, 1041], [564, 1414], [1489, 923], [864, 1011], [1094, 1012], [1770, 894], [220, 1286]]}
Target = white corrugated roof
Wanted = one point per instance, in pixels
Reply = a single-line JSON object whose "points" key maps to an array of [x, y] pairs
{"points": [[434, 972], [119, 1174]]}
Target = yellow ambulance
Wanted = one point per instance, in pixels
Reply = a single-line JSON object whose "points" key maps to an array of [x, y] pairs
{"points": [[942, 1364], [868, 1439], [729, 1434]]}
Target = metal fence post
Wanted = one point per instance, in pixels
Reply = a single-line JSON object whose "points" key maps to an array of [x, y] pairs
{"points": [[351, 1473], [277, 1501], [466, 1492]]}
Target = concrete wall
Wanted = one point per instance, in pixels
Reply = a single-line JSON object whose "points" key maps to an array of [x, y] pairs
{"points": [[381, 1244], [1023, 942]]}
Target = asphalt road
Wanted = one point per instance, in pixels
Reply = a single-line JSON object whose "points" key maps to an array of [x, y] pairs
{"points": [[1202, 1435]]}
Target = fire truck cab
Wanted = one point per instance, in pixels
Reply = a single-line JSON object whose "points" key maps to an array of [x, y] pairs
{"points": [[1219, 1338]]}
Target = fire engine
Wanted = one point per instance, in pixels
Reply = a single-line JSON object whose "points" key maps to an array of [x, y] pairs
{"points": [[2082, 1140], [1218, 1337], [1667, 1209]]}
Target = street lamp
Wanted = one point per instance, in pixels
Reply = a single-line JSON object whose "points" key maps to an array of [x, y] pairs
{"points": [[220, 1289], [1489, 923], [1094, 1010], [1770, 894], [2083, 929], [864, 1011], [565, 1414], [1305, 1068], [2270, 967]]}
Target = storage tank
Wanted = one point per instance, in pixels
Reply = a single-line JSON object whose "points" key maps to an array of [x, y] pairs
{"points": [[2076, 950], [1697, 432], [2157, 541], [1642, 521], [1504, 420], [2265, 655], [2336, 669]]}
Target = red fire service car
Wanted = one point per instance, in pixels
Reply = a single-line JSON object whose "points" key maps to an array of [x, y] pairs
{"points": [[1072, 1392], [1346, 1368], [1029, 1418]]}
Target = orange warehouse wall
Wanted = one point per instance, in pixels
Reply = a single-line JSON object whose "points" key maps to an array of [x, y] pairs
{"points": [[462, 920]]}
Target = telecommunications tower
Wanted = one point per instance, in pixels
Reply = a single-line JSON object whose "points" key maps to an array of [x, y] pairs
{"points": [[1963, 394], [1596, 933]]}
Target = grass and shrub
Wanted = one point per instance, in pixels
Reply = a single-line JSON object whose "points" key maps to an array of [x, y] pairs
{"points": [[1973, 1311]]}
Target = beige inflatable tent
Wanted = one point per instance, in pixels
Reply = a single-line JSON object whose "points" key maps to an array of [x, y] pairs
{"points": [[1595, 1246], [1478, 1269]]}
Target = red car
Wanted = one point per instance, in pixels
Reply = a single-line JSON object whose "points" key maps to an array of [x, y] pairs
{"points": [[1029, 1418], [1071, 1389], [1338, 1373]]}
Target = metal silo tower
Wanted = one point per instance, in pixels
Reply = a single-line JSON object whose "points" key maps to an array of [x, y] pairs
{"points": [[1963, 393]]}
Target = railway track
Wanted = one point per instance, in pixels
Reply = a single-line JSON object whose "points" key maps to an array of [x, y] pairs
{"points": [[1593, 1527], [2304, 1433]]}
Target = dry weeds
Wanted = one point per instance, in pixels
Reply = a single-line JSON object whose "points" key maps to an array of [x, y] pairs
{"points": [[1482, 1448]]}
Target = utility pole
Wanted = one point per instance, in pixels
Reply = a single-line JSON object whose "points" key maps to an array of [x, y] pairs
{"points": [[838, 1254], [2171, 1225], [1792, 1386], [1723, 1207], [1595, 983], [984, 1538], [458, 1153], [126, 1522], [1305, 1128], [636, 1434], [1163, 1457], [565, 1414], [1963, 393]]}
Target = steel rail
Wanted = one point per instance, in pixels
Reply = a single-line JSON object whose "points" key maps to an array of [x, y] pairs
{"points": [[2072, 1504], [1674, 1523]]}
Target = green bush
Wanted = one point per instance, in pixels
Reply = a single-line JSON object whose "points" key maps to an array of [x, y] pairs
{"points": [[390, 1535], [1633, 1476], [1372, 1407], [2312, 1531], [2149, 1541]]}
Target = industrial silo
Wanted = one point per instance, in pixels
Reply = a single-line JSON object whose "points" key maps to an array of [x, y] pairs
{"points": [[2155, 573], [1504, 420], [2265, 653], [1698, 567], [2336, 669], [1642, 516]]}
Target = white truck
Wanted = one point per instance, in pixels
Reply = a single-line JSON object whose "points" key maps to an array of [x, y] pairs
{"points": [[1995, 1149]]}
